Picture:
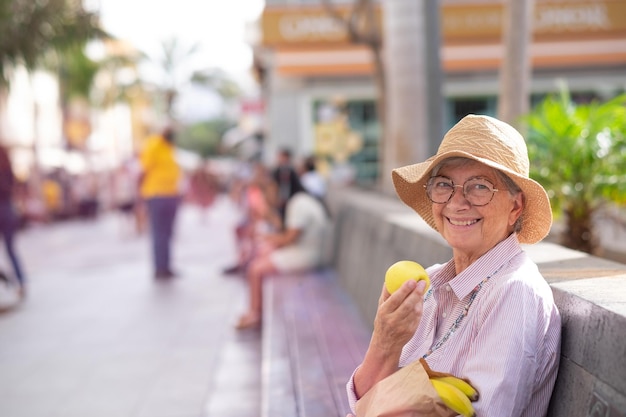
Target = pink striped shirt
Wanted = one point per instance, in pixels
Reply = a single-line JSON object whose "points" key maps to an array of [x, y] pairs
{"points": [[508, 344]]}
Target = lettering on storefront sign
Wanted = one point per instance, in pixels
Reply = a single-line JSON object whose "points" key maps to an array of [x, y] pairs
{"points": [[309, 26], [460, 22], [294, 28], [463, 21], [573, 18]]}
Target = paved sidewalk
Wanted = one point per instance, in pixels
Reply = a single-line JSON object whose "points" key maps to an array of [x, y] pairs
{"points": [[97, 336]]}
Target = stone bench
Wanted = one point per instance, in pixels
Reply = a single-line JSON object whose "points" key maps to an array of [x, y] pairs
{"points": [[313, 338]]}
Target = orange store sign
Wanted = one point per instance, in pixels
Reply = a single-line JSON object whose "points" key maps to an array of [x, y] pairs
{"points": [[304, 26], [460, 23], [311, 28], [563, 19]]}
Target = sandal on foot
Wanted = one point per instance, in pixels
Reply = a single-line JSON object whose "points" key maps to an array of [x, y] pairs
{"points": [[248, 321]]}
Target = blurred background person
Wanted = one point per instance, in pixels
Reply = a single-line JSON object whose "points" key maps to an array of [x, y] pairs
{"points": [[286, 178], [259, 206], [297, 248], [52, 194], [85, 195], [160, 179], [9, 220], [203, 188], [125, 194], [311, 178]]}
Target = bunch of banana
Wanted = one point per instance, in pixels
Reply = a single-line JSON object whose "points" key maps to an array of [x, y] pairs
{"points": [[456, 393]]}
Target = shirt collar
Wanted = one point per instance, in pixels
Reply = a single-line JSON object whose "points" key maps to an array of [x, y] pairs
{"points": [[463, 283]]}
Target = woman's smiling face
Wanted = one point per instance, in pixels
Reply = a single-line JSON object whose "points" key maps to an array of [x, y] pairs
{"points": [[471, 231]]}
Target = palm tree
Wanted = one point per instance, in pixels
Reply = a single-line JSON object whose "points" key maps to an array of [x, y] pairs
{"points": [[578, 152], [29, 29], [218, 81], [52, 35], [119, 75], [172, 64]]}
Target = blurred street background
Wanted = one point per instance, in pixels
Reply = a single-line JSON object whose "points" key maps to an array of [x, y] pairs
{"points": [[98, 336], [364, 86]]}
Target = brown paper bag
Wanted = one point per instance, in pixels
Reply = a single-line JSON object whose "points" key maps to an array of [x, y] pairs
{"points": [[406, 393]]}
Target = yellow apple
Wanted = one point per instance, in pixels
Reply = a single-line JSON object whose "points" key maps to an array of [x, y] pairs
{"points": [[402, 271]]}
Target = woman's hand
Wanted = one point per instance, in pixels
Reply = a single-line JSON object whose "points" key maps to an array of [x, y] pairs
{"points": [[398, 316], [395, 324]]}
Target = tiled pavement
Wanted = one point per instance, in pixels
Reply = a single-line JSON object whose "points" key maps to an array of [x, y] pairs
{"points": [[97, 336]]}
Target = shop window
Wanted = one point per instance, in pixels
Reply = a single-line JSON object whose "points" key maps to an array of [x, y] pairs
{"points": [[457, 108], [347, 139]]}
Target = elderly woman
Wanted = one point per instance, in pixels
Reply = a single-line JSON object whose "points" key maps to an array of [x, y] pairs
{"points": [[489, 315]]}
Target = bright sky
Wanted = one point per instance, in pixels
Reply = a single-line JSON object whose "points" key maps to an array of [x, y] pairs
{"points": [[219, 26]]}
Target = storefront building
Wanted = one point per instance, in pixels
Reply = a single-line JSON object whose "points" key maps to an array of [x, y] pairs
{"points": [[320, 92]]}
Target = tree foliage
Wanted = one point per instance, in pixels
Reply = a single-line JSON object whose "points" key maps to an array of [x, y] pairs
{"points": [[204, 138], [76, 73], [29, 29], [218, 81], [578, 153], [119, 78]]}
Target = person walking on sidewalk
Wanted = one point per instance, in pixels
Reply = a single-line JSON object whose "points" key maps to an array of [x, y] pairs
{"points": [[159, 188], [9, 220]]}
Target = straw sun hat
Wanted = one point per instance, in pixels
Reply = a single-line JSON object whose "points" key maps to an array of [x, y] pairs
{"points": [[493, 143]]}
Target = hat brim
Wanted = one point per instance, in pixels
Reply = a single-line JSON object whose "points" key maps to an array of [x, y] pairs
{"points": [[409, 183]]}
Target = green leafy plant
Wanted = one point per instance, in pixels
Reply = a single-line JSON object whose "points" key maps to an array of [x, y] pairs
{"points": [[203, 138], [578, 153], [30, 29]]}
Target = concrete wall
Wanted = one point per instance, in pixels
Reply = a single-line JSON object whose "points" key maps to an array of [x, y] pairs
{"points": [[373, 231]]}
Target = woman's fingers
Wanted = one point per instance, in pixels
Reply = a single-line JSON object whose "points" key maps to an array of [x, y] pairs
{"points": [[398, 315]]}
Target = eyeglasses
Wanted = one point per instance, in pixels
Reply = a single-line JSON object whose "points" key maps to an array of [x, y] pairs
{"points": [[477, 190]]}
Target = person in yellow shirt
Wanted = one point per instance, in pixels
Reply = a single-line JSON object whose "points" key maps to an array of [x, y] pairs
{"points": [[51, 191], [159, 188]]}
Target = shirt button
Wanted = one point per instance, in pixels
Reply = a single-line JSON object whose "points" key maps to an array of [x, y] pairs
{"points": [[448, 288], [445, 315]]}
